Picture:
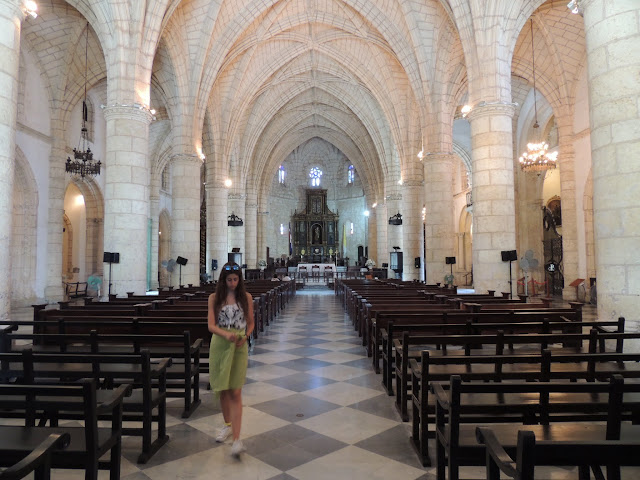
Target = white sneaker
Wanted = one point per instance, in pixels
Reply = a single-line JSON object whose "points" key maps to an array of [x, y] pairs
{"points": [[237, 448], [223, 433]]}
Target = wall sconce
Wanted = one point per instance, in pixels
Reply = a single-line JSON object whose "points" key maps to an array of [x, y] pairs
{"points": [[395, 219], [30, 8], [234, 221]]}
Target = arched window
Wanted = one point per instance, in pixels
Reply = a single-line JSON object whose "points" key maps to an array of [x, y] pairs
{"points": [[281, 175], [351, 175], [315, 173]]}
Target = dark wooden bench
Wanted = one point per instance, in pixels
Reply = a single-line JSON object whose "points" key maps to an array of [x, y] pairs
{"points": [[182, 376], [583, 453], [456, 323], [486, 368], [87, 444], [530, 403], [108, 371], [440, 336], [528, 357], [38, 460]]}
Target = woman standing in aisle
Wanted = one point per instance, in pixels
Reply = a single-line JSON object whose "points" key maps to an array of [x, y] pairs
{"points": [[230, 319]]}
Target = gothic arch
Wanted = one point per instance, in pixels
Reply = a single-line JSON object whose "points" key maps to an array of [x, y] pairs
{"points": [[23, 235], [588, 226], [94, 206], [164, 247], [464, 260]]}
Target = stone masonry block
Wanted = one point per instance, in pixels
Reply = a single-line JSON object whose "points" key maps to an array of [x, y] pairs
{"points": [[627, 155], [623, 52], [491, 224], [626, 131], [620, 109]]}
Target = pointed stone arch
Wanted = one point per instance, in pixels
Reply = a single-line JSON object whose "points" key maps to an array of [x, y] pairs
{"points": [[588, 226], [24, 233], [464, 258], [164, 247], [94, 205]]}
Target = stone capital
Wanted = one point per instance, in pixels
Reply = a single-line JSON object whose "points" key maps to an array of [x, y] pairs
{"points": [[263, 213], [14, 8], [438, 156], [583, 4], [252, 205], [490, 109], [186, 158], [393, 196], [215, 185], [237, 196], [129, 112], [412, 183]]}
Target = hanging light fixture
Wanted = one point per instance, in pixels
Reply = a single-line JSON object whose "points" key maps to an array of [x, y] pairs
{"points": [[83, 163], [536, 158]]}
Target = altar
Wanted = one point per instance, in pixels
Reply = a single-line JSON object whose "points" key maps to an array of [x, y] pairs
{"points": [[322, 266]]}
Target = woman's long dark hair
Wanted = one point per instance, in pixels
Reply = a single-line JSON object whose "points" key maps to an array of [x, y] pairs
{"points": [[222, 291]]}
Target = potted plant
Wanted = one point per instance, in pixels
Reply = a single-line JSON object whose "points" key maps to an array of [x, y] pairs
{"points": [[262, 264], [370, 263]]}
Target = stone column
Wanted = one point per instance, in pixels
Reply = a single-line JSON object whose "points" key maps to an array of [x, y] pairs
{"points": [[127, 212], [57, 183], [216, 226], [155, 241], [439, 226], [372, 236], [566, 164], [236, 235], [185, 231], [412, 200], [613, 59], [10, 18], [263, 218], [382, 221], [394, 232], [493, 194], [251, 230]]}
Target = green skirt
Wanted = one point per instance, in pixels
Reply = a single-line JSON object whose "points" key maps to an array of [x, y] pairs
{"points": [[227, 364]]}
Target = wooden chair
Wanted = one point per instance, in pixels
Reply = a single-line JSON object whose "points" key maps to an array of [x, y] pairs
{"points": [[315, 272]]}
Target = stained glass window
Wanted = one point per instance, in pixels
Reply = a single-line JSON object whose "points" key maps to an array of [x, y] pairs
{"points": [[351, 174], [315, 173]]}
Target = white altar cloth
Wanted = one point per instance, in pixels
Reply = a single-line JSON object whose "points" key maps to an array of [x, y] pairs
{"points": [[321, 265]]}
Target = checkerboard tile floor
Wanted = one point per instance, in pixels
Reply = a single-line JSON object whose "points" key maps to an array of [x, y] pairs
{"points": [[313, 409]]}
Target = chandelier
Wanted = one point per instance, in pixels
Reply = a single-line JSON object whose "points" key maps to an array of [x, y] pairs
{"points": [[536, 158], [83, 163]]}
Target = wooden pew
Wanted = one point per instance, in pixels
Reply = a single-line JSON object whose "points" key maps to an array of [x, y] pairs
{"points": [[530, 368], [585, 454], [182, 376], [87, 443], [38, 460], [456, 443], [106, 371]]}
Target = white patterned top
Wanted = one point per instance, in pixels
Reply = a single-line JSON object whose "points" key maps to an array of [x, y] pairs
{"points": [[232, 316]]}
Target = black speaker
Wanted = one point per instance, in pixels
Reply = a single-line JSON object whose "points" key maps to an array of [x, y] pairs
{"points": [[416, 262], [181, 261], [509, 255], [111, 257], [214, 264], [385, 265], [450, 260]]}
